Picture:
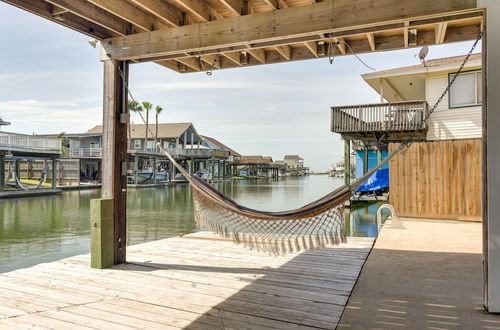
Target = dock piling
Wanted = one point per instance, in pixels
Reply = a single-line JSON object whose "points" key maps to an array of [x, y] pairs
{"points": [[101, 233]]}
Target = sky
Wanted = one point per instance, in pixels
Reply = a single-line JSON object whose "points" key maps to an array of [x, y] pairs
{"points": [[51, 82]]}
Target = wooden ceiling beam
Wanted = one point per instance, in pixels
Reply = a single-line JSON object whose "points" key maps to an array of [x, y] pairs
{"points": [[259, 54], [69, 20], [360, 46], [234, 57], [192, 62], [160, 8], [93, 14], [340, 42], [212, 61], [197, 8], [58, 10], [130, 13], [236, 6], [284, 51], [371, 41], [312, 47], [301, 21], [440, 32], [273, 4]]}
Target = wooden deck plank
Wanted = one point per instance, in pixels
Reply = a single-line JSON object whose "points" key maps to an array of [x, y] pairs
{"points": [[198, 281]]}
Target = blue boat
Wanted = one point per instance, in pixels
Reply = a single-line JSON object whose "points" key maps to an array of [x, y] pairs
{"points": [[377, 182]]}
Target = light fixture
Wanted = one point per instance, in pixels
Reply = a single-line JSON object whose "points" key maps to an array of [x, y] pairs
{"points": [[93, 43]]}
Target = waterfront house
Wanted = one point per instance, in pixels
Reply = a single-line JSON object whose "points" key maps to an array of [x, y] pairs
{"points": [[439, 176], [181, 140], [295, 165], [28, 156]]}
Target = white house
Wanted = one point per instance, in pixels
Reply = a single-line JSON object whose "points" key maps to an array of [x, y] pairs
{"points": [[439, 176]]}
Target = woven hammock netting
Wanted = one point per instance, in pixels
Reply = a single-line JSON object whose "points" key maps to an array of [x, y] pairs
{"points": [[316, 225]]}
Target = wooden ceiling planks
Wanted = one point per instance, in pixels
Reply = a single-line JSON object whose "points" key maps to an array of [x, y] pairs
{"points": [[256, 32]]}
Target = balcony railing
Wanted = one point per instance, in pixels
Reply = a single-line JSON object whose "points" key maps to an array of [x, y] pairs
{"points": [[97, 152], [381, 117], [29, 142], [85, 152]]}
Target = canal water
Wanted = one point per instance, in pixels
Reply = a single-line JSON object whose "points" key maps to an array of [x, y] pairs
{"points": [[42, 229]]}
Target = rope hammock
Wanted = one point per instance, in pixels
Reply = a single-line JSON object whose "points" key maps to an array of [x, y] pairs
{"points": [[315, 225]]}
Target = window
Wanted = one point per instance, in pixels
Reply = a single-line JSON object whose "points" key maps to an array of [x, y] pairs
{"points": [[466, 90], [150, 146], [137, 144]]}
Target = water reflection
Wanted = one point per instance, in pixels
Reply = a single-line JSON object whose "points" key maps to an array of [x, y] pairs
{"points": [[42, 229], [361, 219]]}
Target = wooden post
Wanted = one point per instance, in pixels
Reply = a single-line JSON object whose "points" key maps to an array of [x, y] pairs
{"points": [[491, 156], [347, 162], [101, 233], [213, 168], [154, 169], [53, 174], [2, 172], [17, 169], [365, 160], [379, 156], [114, 151], [136, 168]]}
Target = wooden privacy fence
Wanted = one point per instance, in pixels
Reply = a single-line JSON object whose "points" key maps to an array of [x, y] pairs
{"points": [[440, 179]]}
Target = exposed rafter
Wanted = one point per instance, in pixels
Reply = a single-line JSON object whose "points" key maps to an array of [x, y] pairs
{"points": [[312, 47], [169, 14], [284, 51], [242, 32], [131, 13], [259, 54], [191, 62], [340, 42], [371, 41], [234, 57], [93, 14], [440, 32]]}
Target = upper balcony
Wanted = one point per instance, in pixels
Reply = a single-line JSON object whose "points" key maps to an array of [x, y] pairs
{"points": [[176, 152], [29, 145], [392, 121]]}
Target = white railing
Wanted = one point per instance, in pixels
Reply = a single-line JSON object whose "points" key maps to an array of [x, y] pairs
{"points": [[97, 152], [397, 116], [85, 152], [33, 142]]}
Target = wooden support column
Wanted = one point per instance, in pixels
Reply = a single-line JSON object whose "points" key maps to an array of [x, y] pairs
{"points": [[347, 162], [114, 151], [17, 169], [154, 170], [2, 172], [491, 155], [365, 160], [136, 168], [53, 174]]}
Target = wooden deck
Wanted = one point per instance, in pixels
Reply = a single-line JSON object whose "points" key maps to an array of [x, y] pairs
{"points": [[28, 193], [198, 281]]}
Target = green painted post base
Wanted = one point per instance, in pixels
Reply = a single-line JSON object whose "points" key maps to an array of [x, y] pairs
{"points": [[101, 233]]}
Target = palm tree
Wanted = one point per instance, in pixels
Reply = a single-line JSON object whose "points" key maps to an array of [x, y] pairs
{"points": [[133, 106], [158, 110], [147, 106]]}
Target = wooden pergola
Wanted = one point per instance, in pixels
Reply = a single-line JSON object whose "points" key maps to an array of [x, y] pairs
{"points": [[205, 35]]}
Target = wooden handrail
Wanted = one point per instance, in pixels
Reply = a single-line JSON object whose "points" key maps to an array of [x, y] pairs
{"points": [[379, 117]]}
